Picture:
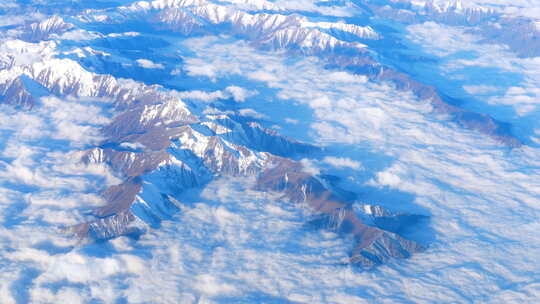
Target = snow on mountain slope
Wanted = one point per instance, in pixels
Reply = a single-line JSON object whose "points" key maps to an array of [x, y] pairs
{"points": [[516, 8], [516, 30], [211, 155], [297, 34], [44, 29], [161, 124], [273, 30]]}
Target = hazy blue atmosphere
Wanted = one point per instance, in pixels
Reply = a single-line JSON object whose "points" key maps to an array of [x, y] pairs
{"points": [[269, 151]]}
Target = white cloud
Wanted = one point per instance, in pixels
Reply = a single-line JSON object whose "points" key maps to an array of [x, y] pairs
{"points": [[309, 166], [198, 68], [239, 94], [124, 34], [133, 146], [78, 35], [342, 162], [480, 89], [148, 64], [244, 263], [18, 19], [251, 113], [209, 285], [73, 120], [213, 111], [202, 95], [291, 121], [265, 76], [44, 186], [447, 41]]}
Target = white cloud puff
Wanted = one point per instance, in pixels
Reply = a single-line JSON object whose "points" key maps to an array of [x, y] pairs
{"points": [[251, 113], [202, 95], [239, 94], [78, 35], [148, 64], [342, 162], [292, 121]]}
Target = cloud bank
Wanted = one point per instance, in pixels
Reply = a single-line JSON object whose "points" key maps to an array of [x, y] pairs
{"points": [[464, 179], [232, 244]]}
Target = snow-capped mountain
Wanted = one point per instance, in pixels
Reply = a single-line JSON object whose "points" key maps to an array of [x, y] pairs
{"points": [[297, 34], [177, 150], [43, 30], [517, 32], [272, 30]]}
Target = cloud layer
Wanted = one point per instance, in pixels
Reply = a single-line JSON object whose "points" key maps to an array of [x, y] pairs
{"points": [[489, 72], [232, 244], [43, 188], [474, 189]]}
